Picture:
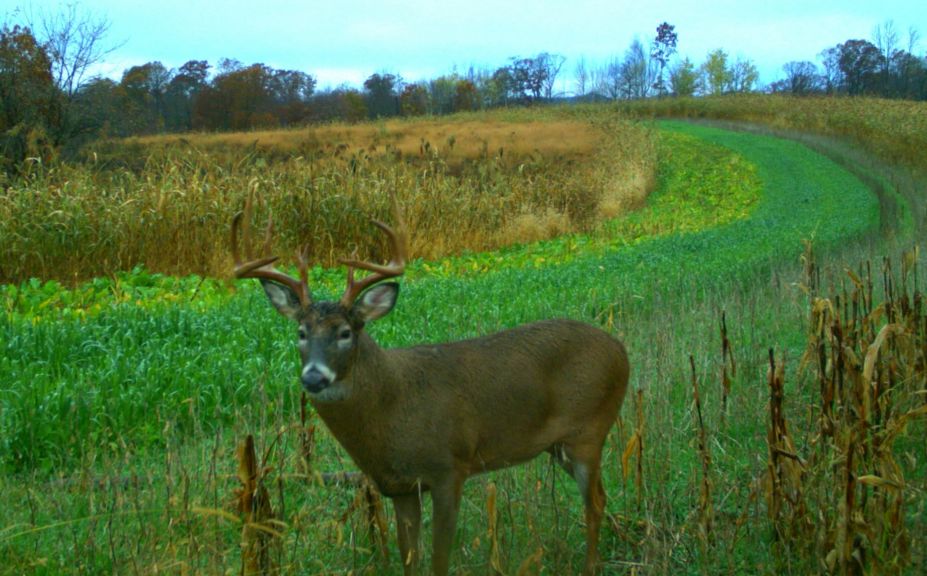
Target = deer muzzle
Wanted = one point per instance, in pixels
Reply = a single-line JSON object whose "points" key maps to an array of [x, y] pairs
{"points": [[316, 377]]}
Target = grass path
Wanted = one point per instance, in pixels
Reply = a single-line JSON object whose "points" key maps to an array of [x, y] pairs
{"points": [[804, 197]]}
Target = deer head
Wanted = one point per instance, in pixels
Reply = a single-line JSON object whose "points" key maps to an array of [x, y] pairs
{"points": [[328, 333]]}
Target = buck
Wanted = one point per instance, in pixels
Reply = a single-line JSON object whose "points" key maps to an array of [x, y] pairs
{"points": [[425, 418]]}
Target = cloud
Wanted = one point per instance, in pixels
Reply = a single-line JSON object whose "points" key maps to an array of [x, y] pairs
{"points": [[335, 77]]}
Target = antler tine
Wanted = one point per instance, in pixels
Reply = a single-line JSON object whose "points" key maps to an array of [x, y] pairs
{"points": [[261, 267], [395, 267]]}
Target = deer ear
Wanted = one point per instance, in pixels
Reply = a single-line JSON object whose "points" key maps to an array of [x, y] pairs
{"points": [[376, 302], [282, 297]]}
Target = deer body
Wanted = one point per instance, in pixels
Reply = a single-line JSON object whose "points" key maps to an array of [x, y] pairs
{"points": [[425, 418], [415, 415]]}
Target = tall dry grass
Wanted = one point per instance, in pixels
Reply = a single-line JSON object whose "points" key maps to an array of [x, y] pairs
{"points": [[893, 130], [482, 183], [460, 138]]}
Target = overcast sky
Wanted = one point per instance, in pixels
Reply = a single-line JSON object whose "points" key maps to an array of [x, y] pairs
{"points": [[345, 41]]}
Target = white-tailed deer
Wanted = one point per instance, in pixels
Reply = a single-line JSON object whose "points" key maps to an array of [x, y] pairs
{"points": [[425, 418]]}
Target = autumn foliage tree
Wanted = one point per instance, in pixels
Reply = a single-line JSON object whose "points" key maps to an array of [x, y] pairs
{"points": [[859, 62], [413, 101], [466, 97], [51, 104], [185, 86], [859, 67], [381, 91], [256, 96], [144, 88], [28, 99]]}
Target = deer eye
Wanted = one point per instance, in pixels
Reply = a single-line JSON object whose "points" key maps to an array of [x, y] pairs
{"points": [[344, 334], [302, 334]]}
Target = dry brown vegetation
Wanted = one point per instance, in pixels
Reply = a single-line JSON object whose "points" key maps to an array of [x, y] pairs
{"points": [[467, 183], [458, 139], [836, 491]]}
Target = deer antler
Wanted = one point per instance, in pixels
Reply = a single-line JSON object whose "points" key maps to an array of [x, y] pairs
{"points": [[261, 267], [397, 264]]}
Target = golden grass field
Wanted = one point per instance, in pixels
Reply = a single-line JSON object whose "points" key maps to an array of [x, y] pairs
{"points": [[468, 182], [457, 139]]}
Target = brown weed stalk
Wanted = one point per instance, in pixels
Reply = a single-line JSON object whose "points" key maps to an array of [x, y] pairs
{"points": [[784, 485], [635, 447], [727, 361], [705, 507], [306, 437], [375, 515], [870, 361], [495, 561], [254, 506]]}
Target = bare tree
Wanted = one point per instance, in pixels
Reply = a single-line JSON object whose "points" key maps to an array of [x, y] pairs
{"points": [[637, 71], [907, 67], [833, 75], [581, 74], [886, 37], [801, 78], [609, 80], [596, 81], [886, 40], [551, 64], [914, 37], [73, 40]]}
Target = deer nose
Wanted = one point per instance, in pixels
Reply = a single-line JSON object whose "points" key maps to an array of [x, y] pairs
{"points": [[315, 380]]}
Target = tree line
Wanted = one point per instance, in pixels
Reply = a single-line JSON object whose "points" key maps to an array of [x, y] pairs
{"points": [[887, 66], [49, 105]]}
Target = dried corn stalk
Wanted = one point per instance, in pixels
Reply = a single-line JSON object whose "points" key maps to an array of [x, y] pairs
{"points": [[258, 527]]}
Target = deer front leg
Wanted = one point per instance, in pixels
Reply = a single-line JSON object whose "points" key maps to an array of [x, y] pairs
{"points": [[445, 501], [408, 522]]}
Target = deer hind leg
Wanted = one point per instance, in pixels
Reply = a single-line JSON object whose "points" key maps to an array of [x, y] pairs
{"points": [[583, 463], [408, 523]]}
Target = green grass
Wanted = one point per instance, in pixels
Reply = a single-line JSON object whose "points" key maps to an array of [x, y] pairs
{"points": [[153, 399], [880, 141]]}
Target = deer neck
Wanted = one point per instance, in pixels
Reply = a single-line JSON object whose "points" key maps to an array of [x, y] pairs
{"points": [[360, 418]]}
